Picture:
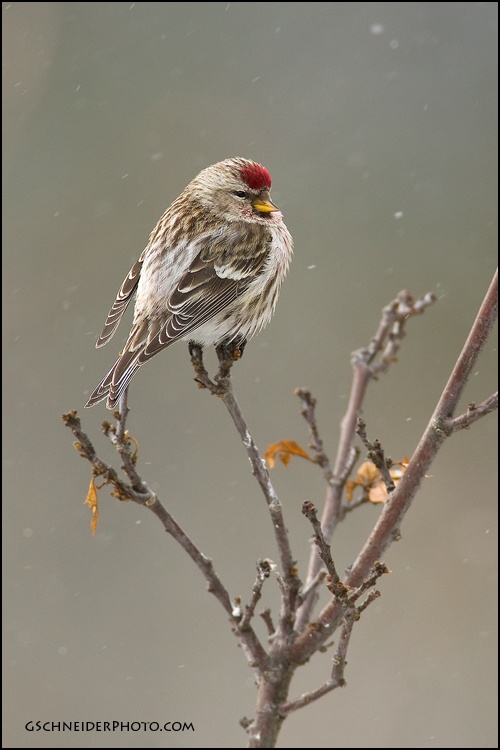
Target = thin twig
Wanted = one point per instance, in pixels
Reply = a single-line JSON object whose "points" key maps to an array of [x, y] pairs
{"points": [[121, 439], [324, 550], [256, 654], [473, 413], [339, 663], [315, 583], [222, 387], [369, 599], [339, 658], [351, 459], [366, 367], [289, 648], [379, 569], [266, 616], [348, 507], [391, 332], [263, 572], [307, 698], [386, 529], [308, 412], [142, 494], [376, 456]]}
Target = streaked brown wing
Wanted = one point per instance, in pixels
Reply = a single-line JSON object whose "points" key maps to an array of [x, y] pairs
{"points": [[207, 287], [121, 302]]}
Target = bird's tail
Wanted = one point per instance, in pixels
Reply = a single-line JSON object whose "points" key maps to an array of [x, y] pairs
{"points": [[117, 380]]}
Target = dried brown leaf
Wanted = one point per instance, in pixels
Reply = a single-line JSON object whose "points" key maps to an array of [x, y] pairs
{"points": [[91, 501], [369, 479], [284, 450]]}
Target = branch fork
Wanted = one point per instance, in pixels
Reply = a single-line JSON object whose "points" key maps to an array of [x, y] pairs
{"points": [[295, 636]]}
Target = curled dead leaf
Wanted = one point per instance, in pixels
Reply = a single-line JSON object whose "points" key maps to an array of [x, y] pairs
{"points": [[91, 501], [371, 482], [134, 441], [284, 450]]}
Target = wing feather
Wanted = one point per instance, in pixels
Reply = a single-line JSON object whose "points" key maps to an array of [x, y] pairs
{"points": [[207, 288], [217, 276], [121, 303]]}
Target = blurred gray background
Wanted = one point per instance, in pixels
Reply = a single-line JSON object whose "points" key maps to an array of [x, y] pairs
{"points": [[377, 122]]}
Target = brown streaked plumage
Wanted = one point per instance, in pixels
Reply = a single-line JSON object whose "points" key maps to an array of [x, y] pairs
{"points": [[211, 272]]}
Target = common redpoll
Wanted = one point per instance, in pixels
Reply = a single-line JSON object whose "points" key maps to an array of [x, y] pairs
{"points": [[210, 274]]}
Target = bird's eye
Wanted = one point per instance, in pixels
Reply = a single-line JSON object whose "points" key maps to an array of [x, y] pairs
{"points": [[241, 194]]}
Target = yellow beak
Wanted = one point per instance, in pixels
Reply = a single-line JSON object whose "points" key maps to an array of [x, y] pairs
{"points": [[263, 206]]}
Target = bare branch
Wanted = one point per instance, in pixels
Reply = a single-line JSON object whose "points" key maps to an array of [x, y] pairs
{"points": [[324, 551], [339, 658], [289, 647], [121, 439], [473, 413], [351, 459], [348, 507], [308, 412], [224, 389], [379, 569], [266, 616], [315, 583], [263, 572], [473, 347], [385, 344], [390, 334], [141, 494], [144, 496], [386, 529], [307, 698], [369, 599], [376, 456]]}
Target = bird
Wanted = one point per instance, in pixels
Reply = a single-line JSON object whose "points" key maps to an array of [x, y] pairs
{"points": [[210, 274]]}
